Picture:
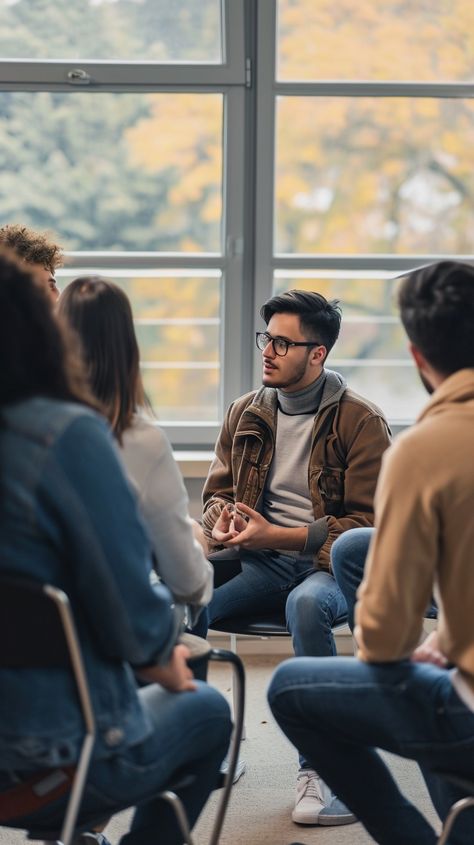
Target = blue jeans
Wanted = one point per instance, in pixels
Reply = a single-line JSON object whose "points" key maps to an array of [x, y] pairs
{"points": [[190, 734], [339, 712], [348, 554], [274, 581], [311, 601]]}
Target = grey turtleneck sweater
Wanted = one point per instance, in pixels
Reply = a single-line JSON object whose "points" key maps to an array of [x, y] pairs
{"points": [[286, 499]]}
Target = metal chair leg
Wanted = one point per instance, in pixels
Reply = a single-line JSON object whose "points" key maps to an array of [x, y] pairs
{"points": [[239, 706], [177, 806], [235, 692], [454, 812]]}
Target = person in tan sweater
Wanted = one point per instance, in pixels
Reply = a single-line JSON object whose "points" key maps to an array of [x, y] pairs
{"points": [[413, 700]]}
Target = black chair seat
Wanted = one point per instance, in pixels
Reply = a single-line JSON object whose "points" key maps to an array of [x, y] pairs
{"points": [[264, 625]]}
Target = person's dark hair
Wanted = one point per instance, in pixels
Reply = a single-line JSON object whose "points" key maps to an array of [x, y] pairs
{"points": [[33, 247], [101, 314], [320, 318], [437, 311], [37, 355]]}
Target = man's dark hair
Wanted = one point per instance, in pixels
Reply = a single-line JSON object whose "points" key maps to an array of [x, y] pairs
{"points": [[320, 318], [437, 311]]}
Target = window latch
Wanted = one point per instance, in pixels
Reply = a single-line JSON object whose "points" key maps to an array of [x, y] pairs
{"points": [[79, 77]]}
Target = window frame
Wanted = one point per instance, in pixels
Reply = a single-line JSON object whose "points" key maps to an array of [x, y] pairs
{"points": [[247, 80], [267, 261], [231, 79]]}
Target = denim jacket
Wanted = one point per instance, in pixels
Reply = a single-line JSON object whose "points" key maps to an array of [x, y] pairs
{"points": [[68, 517]]}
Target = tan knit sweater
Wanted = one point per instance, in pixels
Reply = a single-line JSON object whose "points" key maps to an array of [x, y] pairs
{"points": [[424, 539]]}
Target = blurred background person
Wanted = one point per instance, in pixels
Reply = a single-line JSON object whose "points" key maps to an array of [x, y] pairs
{"points": [[36, 252]]}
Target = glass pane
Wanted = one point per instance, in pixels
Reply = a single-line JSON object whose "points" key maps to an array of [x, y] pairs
{"points": [[362, 294], [146, 31], [370, 40], [114, 171], [374, 175], [397, 390], [372, 349], [178, 327], [183, 395]]}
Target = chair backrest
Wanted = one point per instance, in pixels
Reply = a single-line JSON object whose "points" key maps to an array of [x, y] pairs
{"points": [[37, 630], [31, 629]]}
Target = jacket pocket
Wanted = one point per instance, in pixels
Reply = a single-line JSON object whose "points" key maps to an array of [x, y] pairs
{"points": [[246, 467], [330, 486]]}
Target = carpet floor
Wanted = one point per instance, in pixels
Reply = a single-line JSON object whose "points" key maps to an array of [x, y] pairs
{"points": [[261, 802]]}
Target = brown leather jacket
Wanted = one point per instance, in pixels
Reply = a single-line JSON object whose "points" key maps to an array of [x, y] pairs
{"points": [[349, 436]]}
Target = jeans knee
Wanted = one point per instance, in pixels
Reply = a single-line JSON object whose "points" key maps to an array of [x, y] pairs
{"points": [[279, 683], [306, 613], [349, 551], [303, 604]]}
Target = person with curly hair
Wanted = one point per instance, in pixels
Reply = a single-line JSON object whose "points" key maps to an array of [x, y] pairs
{"points": [[37, 252]]}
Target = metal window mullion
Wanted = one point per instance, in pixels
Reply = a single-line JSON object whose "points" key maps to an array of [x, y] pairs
{"points": [[110, 76], [234, 287], [233, 37], [265, 163], [145, 260], [464, 90], [118, 88], [359, 262]]}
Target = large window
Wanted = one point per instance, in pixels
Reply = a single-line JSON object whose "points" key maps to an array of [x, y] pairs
{"points": [[121, 127], [205, 154], [365, 169]]}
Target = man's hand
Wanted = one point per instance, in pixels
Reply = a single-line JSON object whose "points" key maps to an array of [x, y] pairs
{"points": [[429, 652], [242, 527], [175, 676], [228, 526], [255, 532]]}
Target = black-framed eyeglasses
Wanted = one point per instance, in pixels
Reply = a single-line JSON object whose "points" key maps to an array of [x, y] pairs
{"points": [[279, 344]]}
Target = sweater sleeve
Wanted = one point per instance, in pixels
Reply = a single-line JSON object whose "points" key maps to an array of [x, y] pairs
{"points": [[180, 560], [219, 486], [399, 573]]}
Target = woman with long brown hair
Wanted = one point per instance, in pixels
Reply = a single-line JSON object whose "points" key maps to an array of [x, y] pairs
{"points": [[101, 314]]}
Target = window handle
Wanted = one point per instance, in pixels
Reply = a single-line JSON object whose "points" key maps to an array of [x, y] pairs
{"points": [[79, 77]]}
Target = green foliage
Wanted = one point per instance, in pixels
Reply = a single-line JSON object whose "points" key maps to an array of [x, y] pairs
{"points": [[133, 30], [69, 161]]}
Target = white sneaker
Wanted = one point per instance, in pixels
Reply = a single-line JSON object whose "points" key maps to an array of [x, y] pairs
{"points": [[316, 804], [240, 768]]}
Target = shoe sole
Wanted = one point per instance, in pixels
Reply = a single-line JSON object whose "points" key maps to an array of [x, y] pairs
{"points": [[325, 821], [333, 821]]}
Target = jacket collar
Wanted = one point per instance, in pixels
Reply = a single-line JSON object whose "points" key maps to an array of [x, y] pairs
{"points": [[265, 400]]}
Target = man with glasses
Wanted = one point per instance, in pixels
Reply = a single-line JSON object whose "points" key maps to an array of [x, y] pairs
{"points": [[296, 465]]}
